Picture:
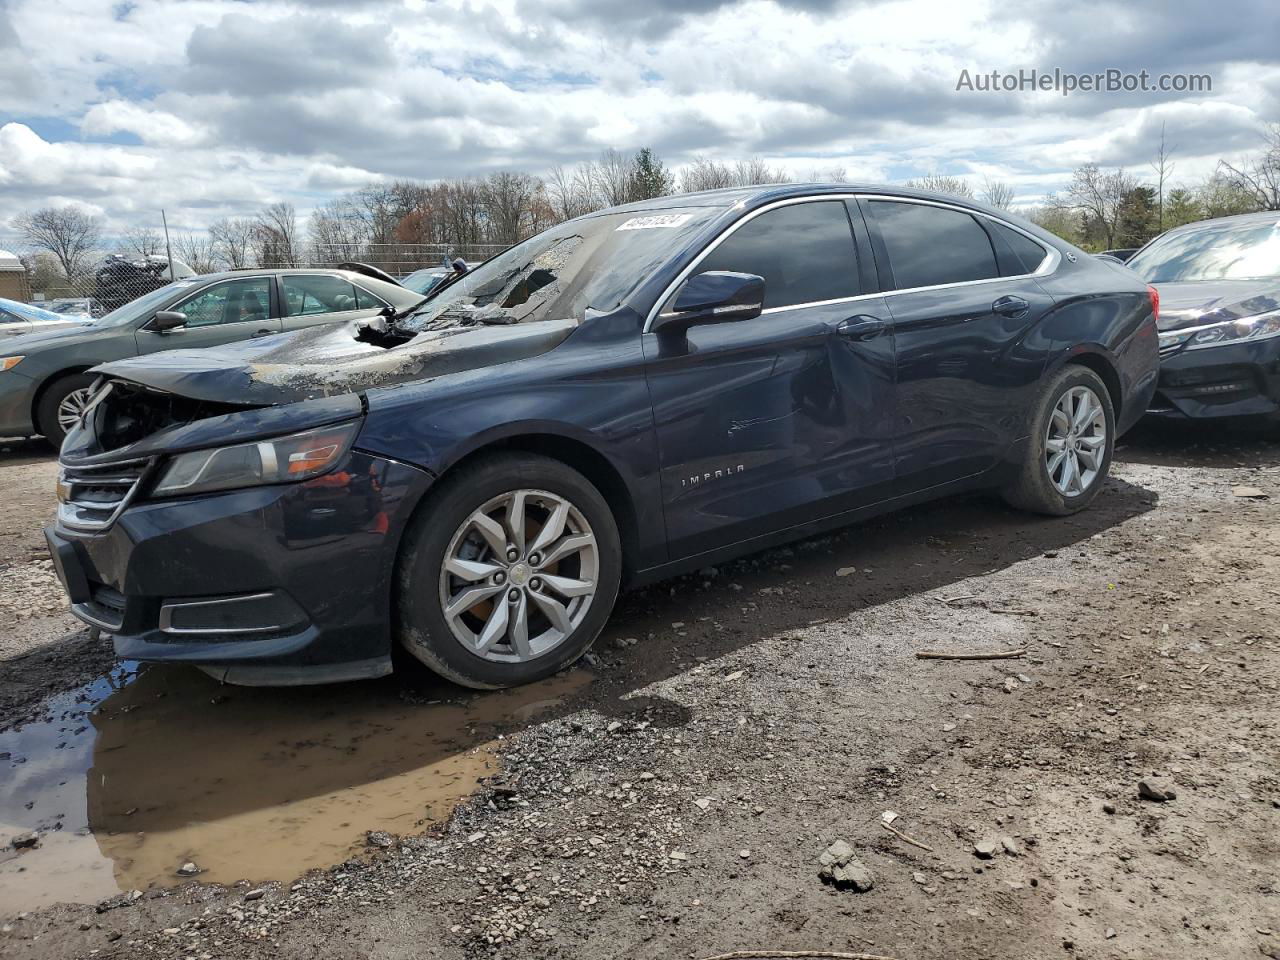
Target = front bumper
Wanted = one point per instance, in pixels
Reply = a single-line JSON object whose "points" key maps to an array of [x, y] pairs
{"points": [[1231, 380], [16, 396], [267, 585]]}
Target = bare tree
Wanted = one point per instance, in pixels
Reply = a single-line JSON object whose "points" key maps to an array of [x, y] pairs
{"points": [[703, 173], [1163, 168], [1259, 175], [569, 191], [943, 183], [611, 177], [68, 233], [197, 251], [997, 193], [1100, 196], [510, 203], [232, 241], [754, 171], [275, 235], [836, 174], [706, 174], [144, 241]]}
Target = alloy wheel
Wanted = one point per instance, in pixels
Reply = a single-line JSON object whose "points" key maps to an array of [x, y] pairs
{"points": [[1075, 444], [519, 576], [72, 408]]}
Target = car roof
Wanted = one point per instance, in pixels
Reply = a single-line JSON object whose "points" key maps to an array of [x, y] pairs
{"points": [[1264, 216], [276, 271], [750, 197]]}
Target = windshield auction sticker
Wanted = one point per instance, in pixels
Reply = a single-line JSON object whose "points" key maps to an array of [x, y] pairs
{"points": [[657, 222]]}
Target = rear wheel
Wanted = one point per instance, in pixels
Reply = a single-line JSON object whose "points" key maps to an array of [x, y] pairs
{"points": [[1069, 452], [509, 572], [61, 405]]}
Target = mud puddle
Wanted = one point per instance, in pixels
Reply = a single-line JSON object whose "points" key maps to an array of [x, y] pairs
{"points": [[146, 769]]}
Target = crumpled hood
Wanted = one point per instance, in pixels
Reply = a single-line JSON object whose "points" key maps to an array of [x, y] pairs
{"points": [[327, 360], [1200, 302]]}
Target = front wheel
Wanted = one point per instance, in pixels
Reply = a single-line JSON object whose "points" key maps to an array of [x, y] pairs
{"points": [[1068, 456], [509, 572], [61, 405]]}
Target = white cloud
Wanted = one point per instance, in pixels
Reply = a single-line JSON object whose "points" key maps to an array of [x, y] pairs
{"points": [[155, 127], [213, 107]]}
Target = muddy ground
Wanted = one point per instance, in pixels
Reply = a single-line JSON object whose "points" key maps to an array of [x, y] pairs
{"points": [[673, 798]]}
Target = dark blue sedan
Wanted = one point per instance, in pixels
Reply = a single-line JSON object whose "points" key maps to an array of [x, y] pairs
{"points": [[634, 393]]}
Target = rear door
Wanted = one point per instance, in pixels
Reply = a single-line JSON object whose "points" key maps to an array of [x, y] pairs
{"points": [[223, 312], [308, 299], [965, 308], [772, 422]]}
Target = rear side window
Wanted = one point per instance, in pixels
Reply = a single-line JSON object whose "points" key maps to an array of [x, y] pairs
{"points": [[1018, 253], [804, 252], [932, 245], [316, 293]]}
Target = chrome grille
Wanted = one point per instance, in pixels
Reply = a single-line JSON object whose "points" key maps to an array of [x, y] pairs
{"points": [[91, 498], [1167, 352]]}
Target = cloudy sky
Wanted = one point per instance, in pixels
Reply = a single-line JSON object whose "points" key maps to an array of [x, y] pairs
{"points": [[214, 107]]}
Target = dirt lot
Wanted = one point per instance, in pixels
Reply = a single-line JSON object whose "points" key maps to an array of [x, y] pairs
{"points": [[673, 798]]}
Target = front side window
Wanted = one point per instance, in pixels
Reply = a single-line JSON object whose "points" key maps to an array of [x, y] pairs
{"points": [[316, 293], [930, 245], [804, 252], [235, 301]]}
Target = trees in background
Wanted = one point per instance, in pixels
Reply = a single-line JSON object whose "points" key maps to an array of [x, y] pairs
{"points": [[1258, 176], [68, 233], [388, 222], [275, 236], [232, 239]]}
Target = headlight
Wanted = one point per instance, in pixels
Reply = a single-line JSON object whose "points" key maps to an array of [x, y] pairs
{"points": [[299, 456], [8, 363], [1257, 327]]}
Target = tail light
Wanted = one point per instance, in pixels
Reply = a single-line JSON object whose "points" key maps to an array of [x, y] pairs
{"points": [[1154, 294]]}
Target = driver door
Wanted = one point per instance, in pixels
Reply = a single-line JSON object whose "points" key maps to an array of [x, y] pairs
{"points": [[780, 420], [223, 312]]}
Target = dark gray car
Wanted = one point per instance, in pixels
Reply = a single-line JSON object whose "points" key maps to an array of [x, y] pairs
{"points": [[43, 379]]}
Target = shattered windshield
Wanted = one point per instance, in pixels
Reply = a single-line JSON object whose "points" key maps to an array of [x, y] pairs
{"points": [[590, 262]]}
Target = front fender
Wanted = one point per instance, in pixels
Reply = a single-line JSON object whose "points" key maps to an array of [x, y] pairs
{"points": [[589, 391]]}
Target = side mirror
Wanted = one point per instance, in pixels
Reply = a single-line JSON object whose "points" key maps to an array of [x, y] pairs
{"points": [[168, 320], [716, 296]]}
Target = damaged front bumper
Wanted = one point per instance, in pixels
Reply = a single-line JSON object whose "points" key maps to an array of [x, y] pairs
{"points": [[274, 585]]}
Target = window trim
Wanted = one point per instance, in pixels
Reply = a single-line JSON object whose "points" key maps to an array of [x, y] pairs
{"points": [[371, 294], [1048, 265], [205, 289]]}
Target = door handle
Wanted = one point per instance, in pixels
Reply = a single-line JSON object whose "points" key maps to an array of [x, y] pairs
{"points": [[861, 327], [1011, 307], [262, 333]]}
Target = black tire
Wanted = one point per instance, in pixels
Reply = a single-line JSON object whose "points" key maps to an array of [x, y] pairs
{"points": [[51, 399], [1033, 489], [422, 626]]}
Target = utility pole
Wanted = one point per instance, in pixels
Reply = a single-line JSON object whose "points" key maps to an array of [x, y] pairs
{"points": [[167, 248]]}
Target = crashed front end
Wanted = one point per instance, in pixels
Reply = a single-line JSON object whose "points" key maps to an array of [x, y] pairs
{"points": [[250, 539]]}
